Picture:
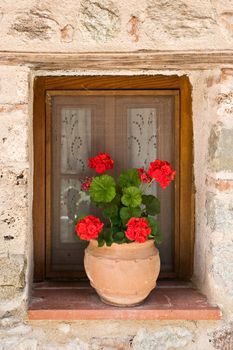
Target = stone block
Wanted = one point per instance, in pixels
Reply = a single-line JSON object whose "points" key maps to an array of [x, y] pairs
{"points": [[225, 104], [113, 343], [14, 135], [219, 213], [222, 266], [100, 19], [33, 24], [13, 209], [14, 84], [181, 18], [12, 271], [19, 343], [220, 149], [165, 338], [222, 338]]}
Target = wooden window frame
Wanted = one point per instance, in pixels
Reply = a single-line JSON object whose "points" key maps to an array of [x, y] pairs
{"points": [[184, 243]]}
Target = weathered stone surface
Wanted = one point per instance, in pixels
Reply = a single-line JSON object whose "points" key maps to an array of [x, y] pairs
{"points": [[8, 322], [222, 266], [133, 30], [219, 212], [100, 19], [67, 33], [36, 25], [33, 24], [64, 328], [181, 18], [19, 344], [224, 10], [13, 271], [222, 339], [111, 343], [162, 339], [12, 283], [220, 149], [17, 329], [13, 209], [220, 185], [225, 102], [14, 136], [14, 85]]}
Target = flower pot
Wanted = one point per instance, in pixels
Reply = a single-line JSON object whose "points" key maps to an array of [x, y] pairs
{"points": [[123, 274]]}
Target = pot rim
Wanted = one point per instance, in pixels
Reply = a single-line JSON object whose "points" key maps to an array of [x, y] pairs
{"points": [[132, 245], [123, 251]]}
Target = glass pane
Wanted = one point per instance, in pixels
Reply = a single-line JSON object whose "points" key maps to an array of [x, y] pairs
{"points": [[148, 126], [77, 126], [135, 130], [75, 139], [73, 201], [142, 136]]}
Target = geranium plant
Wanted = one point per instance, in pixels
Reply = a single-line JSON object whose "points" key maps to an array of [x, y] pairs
{"points": [[129, 212]]}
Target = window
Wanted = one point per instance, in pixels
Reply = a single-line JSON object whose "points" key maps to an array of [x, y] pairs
{"points": [[135, 119]]}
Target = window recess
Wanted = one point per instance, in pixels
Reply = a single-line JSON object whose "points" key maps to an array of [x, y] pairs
{"points": [[135, 119]]}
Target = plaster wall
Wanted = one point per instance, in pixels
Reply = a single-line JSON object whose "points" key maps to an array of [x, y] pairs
{"points": [[84, 26]]}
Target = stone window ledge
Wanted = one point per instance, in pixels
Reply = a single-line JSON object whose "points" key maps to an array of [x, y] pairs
{"points": [[78, 301]]}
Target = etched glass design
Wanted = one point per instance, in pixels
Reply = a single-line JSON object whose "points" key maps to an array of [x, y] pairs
{"points": [[73, 201], [142, 136], [75, 139]]}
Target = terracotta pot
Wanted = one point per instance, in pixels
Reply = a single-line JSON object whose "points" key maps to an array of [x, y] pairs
{"points": [[123, 274]]}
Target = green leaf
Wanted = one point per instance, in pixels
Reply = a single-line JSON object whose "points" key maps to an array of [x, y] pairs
{"points": [[101, 205], [115, 221], [151, 203], [126, 213], [129, 178], [118, 236], [158, 237], [100, 242], [107, 236], [116, 200], [115, 229], [103, 189], [111, 211], [131, 197], [153, 225]]}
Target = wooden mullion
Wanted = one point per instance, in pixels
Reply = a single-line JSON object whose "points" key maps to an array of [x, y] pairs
{"points": [[109, 119]]}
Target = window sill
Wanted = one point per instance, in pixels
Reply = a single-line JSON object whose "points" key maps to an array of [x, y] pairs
{"points": [[78, 301]]}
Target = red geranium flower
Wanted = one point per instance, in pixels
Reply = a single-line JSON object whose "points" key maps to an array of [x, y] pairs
{"points": [[86, 183], [138, 230], [101, 163], [89, 227], [162, 172], [144, 177]]}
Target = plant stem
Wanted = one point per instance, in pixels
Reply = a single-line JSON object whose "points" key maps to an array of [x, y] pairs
{"points": [[149, 184]]}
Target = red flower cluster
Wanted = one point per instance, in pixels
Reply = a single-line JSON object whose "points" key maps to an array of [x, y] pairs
{"points": [[86, 183], [89, 227], [144, 177], [138, 230], [162, 172], [101, 163]]}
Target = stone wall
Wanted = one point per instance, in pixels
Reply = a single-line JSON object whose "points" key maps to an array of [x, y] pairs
{"points": [[98, 26]]}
